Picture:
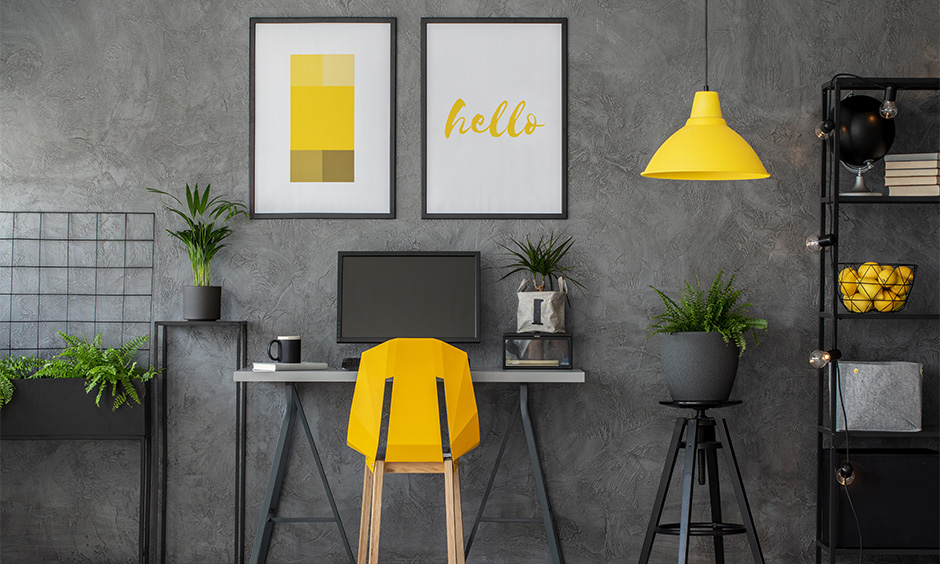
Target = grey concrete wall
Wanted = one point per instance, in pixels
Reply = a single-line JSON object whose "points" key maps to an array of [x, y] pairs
{"points": [[101, 98]]}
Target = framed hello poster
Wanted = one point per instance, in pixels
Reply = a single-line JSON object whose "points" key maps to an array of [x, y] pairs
{"points": [[322, 118], [494, 118]]}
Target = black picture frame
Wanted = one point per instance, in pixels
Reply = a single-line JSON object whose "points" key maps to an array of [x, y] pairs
{"points": [[563, 157], [253, 187]]}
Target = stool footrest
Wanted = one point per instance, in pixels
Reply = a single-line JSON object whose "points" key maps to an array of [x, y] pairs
{"points": [[510, 520], [703, 529], [302, 519]]}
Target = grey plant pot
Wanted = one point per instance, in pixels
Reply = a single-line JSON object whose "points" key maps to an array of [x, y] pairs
{"points": [[202, 303], [698, 366]]}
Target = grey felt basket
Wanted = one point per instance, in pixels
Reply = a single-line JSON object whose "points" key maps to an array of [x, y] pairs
{"points": [[880, 396]]}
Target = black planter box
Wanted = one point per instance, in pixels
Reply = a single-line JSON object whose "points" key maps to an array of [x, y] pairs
{"points": [[896, 493], [60, 409]]}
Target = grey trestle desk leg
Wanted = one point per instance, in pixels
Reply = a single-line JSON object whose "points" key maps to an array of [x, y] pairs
{"points": [[522, 411], [272, 494]]}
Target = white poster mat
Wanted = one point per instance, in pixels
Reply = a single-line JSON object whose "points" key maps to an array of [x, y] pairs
{"points": [[486, 64], [370, 193]]}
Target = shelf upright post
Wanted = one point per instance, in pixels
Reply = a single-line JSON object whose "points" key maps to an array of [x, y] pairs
{"points": [[824, 198], [834, 327]]}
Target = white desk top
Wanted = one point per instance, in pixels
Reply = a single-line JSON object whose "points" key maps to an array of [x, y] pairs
{"points": [[484, 375]]}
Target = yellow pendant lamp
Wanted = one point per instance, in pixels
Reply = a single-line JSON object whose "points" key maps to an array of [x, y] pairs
{"points": [[706, 148]]}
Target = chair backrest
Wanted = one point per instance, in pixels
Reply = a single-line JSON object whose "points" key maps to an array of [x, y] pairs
{"points": [[414, 429]]}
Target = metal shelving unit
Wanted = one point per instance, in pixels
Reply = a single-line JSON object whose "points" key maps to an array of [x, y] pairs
{"points": [[829, 318]]}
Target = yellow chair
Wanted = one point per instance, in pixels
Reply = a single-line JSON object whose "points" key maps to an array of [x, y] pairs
{"points": [[414, 444]]}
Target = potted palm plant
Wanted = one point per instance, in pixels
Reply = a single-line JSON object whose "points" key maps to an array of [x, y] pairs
{"points": [[542, 309], [702, 336], [206, 227]]}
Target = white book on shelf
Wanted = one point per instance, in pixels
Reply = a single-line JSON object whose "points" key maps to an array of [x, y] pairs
{"points": [[912, 157], [904, 165], [911, 180], [912, 172], [931, 190], [286, 366]]}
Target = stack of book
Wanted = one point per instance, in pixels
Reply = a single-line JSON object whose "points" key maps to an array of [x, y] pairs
{"points": [[913, 174]]}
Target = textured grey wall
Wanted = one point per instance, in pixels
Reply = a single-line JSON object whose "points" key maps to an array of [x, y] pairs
{"points": [[101, 98]]}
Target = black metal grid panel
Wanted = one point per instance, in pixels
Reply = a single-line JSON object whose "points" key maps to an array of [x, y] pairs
{"points": [[81, 273]]}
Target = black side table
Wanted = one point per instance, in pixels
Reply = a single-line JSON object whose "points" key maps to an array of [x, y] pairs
{"points": [[160, 343], [702, 437]]}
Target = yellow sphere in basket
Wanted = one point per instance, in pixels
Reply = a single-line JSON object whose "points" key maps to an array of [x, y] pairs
{"points": [[869, 287], [869, 270], [905, 279], [884, 301], [899, 303], [888, 277], [857, 303], [848, 281], [905, 274]]}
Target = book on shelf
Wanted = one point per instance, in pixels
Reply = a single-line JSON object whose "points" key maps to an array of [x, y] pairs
{"points": [[911, 180], [912, 171], [929, 190], [907, 165], [531, 362], [912, 157], [286, 366]]}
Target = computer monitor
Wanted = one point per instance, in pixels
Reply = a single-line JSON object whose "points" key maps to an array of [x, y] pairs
{"points": [[384, 295]]}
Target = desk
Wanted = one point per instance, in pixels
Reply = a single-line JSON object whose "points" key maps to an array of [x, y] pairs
{"points": [[293, 409]]}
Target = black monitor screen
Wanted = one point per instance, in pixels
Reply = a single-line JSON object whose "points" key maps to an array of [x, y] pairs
{"points": [[384, 295]]}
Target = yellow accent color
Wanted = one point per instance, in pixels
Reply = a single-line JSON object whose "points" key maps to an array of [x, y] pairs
{"points": [[705, 148], [339, 166], [306, 70], [414, 434], [306, 166], [339, 70], [322, 118]]}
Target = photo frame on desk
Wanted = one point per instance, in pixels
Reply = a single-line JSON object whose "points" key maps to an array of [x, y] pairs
{"points": [[494, 118], [322, 118]]}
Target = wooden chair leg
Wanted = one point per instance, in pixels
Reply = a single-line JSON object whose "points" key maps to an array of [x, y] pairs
{"points": [[458, 511], [366, 515], [374, 529], [449, 502]]}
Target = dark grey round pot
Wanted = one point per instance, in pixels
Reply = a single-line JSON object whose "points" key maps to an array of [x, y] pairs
{"points": [[698, 366], [202, 303]]}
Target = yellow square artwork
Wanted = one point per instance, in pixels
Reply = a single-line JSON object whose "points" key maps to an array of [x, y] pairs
{"points": [[322, 118]]}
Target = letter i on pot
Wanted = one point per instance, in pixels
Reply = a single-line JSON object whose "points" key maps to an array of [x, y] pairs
{"points": [[541, 311]]}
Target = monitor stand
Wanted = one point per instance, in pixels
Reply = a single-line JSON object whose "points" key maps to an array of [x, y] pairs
{"points": [[351, 363]]}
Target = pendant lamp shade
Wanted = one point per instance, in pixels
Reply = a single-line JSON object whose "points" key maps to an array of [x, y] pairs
{"points": [[705, 148]]}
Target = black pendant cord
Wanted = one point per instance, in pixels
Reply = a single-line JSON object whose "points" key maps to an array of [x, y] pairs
{"points": [[706, 45]]}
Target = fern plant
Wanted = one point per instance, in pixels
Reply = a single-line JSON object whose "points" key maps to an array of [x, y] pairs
{"points": [[103, 369], [715, 310], [13, 367], [542, 260]]}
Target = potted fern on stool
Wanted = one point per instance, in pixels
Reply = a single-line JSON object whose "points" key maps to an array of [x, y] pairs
{"points": [[206, 221], [701, 338]]}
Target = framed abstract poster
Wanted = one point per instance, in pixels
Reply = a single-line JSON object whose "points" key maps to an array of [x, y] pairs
{"points": [[322, 118], [494, 118]]}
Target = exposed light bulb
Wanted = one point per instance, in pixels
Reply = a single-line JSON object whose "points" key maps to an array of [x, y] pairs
{"points": [[824, 128], [889, 108], [818, 242], [845, 474], [820, 358]]}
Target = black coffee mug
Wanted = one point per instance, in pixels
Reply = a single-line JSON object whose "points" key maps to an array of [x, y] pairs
{"points": [[288, 349]]}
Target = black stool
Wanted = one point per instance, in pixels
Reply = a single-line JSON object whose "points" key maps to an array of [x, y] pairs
{"points": [[700, 438]]}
